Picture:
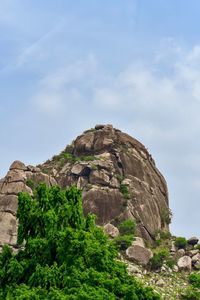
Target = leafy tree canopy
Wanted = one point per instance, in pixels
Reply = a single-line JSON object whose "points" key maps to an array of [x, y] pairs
{"points": [[62, 254]]}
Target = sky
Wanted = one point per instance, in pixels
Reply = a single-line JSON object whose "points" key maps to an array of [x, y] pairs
{"points": [[68, 65]]}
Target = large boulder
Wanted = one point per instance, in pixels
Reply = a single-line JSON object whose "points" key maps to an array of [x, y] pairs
{"points": [[185, 263], [139, 254], [193, 241]]}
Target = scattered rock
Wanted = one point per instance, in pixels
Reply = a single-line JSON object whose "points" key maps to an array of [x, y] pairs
{"points": [[185, 263], [193, 241], [160, 283], [196, 258], [181, 252], [163, 269], [111, 230], [132, 269], [192, 252], [173, 247], [138, 241], [175, 268]]}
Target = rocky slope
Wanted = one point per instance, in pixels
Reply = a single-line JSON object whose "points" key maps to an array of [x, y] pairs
{"points": [[118, 177], [169, 273]]}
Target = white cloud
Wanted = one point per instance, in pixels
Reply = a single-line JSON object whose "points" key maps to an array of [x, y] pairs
{"points": [[147, 92], [60, 90], [50, 103]]}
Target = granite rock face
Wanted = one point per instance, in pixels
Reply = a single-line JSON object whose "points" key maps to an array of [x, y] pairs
{"points": [[118, 177], [17, 180]]}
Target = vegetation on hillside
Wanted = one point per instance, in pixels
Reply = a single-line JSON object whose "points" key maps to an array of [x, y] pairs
{"points": [[66, 156], [126, 234], [193, 291], [63, 255]]}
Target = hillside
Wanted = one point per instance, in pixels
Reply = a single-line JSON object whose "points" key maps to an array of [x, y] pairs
{"points": [[120, 183]]}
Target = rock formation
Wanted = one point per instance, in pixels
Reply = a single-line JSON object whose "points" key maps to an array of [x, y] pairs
{"points": [[17, 180], [118, 177]]}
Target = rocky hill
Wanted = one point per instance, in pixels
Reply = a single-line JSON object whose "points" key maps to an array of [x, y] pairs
{"points": [[118, 177], [119, 182]]}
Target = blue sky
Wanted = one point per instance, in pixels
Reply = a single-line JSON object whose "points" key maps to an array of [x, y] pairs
{"points": [[68, 65]]}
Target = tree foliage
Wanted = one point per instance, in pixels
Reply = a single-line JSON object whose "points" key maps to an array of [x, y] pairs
{"points": [[180, 242], [62, 254]]}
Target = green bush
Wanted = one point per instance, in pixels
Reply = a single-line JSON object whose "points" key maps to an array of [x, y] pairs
{"points": [[180, 242], [197, 246], [88, 158], [193, 292], [124, 190], [190, 294], [30, 183], [127, 231], [166, 216], [157, 260], [164, 235], [63, 255], [123, 241], [127, 227], [170, 263], [194, 279], [158, 242], [119, 177]]}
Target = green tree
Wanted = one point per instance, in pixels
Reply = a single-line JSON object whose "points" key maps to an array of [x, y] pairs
{"points": [[180, 242], [63, 255]]}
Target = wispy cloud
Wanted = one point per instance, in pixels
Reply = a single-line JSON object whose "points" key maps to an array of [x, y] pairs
{"points": [[64, 87], [36, 51]]}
